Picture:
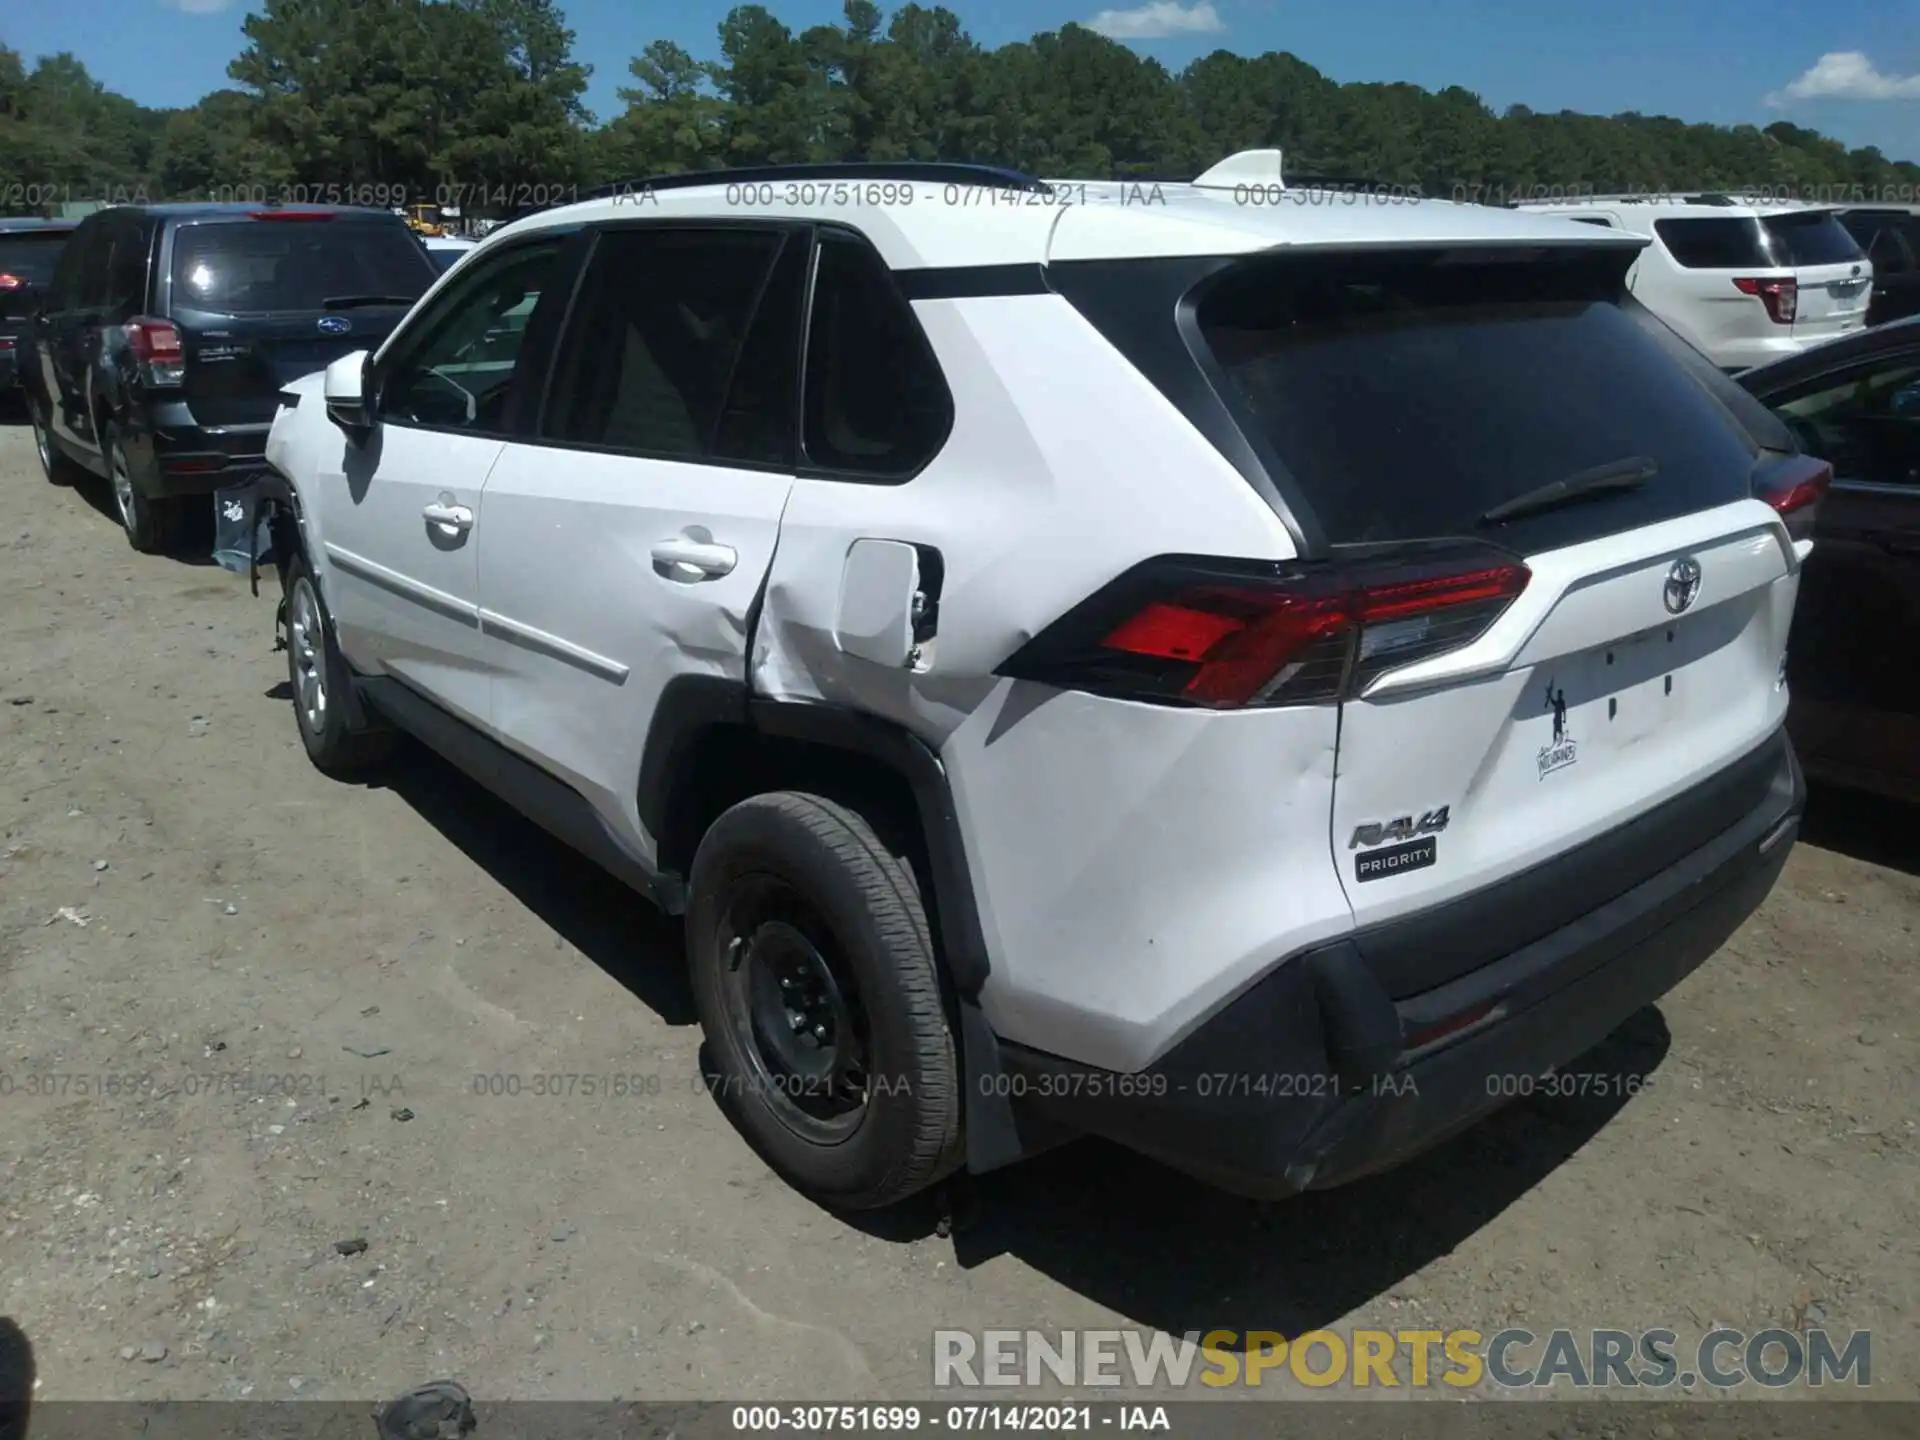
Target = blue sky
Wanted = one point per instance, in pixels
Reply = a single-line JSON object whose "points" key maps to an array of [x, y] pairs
{"points": [[1847, 67]]}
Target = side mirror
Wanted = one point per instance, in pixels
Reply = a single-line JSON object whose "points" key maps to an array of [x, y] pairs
{"points": [[348, 404]]}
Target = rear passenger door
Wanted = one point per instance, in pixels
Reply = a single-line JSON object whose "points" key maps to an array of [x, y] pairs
{"points": [[627, 532], [72, 323]]}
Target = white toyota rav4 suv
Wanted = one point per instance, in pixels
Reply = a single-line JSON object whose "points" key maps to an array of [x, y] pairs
{"points": [[1245, 679]]}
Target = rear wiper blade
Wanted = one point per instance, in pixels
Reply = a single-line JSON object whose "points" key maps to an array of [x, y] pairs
{"points": [[1614, 476], [349, 302]]}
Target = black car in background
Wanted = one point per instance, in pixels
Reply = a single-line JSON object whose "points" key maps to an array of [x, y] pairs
{"points": [[29, 250], [1852, 664], [1891, 239], [167, 331]]}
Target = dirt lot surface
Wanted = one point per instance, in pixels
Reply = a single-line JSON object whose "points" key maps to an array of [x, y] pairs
{"points": [[296, 1009]]}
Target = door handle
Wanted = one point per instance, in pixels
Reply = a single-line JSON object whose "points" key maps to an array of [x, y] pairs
{"points": [[453, 519], [689, 560], [1901, 542]]}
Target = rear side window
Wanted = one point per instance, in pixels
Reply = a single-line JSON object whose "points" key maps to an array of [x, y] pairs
{"points": [[876, 402], [31, 256], [92, 282], [254, 267], [1811, 238], [657, 329], [1732, 242], [1406, 397]]}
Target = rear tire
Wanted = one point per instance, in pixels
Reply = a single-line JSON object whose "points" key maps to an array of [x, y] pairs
{"points": [[152, 525], [318, 676], [54, 463], [816, 983]]}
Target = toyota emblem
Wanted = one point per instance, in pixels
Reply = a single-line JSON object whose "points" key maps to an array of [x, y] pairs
{"points": [[1683, 585]]}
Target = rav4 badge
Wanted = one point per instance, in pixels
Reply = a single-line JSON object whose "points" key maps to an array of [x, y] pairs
{"points": [[1418, 850]]}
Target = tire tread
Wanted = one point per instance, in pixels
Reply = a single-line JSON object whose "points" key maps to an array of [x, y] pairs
{"points": [[886, 886]]}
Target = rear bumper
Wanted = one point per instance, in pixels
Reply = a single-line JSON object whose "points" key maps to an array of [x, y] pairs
{"points": [[1315, 1076], [183, 457]]}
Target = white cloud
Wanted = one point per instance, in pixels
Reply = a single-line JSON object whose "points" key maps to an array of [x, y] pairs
{"points": [[1156, 20], [198, 7], [1847, 75]]}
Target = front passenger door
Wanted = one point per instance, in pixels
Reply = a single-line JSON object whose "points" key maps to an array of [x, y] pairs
{"points": [[400, 518]]}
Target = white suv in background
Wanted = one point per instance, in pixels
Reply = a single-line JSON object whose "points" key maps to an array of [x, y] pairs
{"points": [[1745, 284], [1248, 680]]}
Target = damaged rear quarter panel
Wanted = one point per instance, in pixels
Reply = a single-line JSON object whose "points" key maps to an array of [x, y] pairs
{"points": [[1064, 467], [1133, 865]]}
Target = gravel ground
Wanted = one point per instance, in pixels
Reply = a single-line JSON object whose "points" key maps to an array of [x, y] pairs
{"points": [[253, 1023]]}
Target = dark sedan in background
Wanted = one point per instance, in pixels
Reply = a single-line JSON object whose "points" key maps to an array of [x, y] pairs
{"points": [[1853, 664], [29, 249]]}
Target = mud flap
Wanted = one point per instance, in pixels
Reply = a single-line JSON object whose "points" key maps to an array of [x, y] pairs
{"points": [[998, 1132]]}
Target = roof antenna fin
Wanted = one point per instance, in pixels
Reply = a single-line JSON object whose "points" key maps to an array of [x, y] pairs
{"points": [[1246, 168]]}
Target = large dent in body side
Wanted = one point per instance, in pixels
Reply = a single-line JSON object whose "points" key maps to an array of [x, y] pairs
{"points": [[1064, 467]]}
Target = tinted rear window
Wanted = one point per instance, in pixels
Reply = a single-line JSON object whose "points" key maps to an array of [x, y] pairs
{"points": [[249, 267], [31, 256], [1733, 242], [1813, 239], [1407, 397]]}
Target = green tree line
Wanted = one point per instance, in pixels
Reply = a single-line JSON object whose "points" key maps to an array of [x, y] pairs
{"points": [[482, 100]]}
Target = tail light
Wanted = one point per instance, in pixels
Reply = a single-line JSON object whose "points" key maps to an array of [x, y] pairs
{"points": [[10, 281], [156, 350], [1781, 297], [1226, 634], [1795, 487]]}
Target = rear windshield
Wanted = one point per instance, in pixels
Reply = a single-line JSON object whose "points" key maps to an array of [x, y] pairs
{"points": [[1741, 242], [248, 267], [1407, 397], [31, 256], [1816, 238]]}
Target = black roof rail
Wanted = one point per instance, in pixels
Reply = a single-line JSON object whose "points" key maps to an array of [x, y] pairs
{"points": [[992, 177]]}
